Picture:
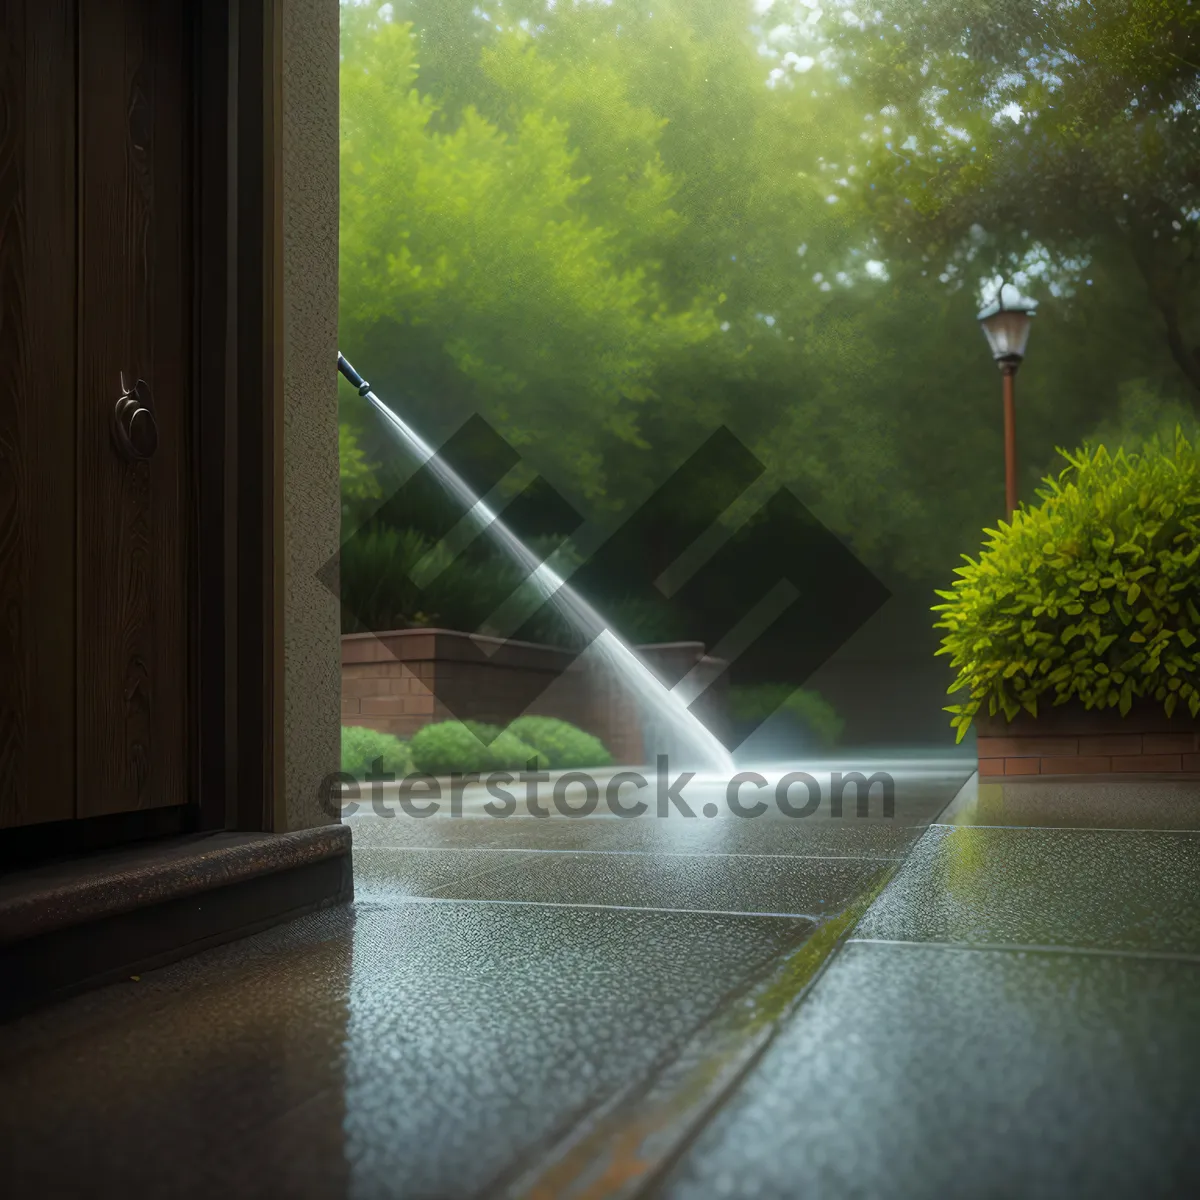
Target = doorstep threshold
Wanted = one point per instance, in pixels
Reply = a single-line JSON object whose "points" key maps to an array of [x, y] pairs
{"points": [[74, 924]]}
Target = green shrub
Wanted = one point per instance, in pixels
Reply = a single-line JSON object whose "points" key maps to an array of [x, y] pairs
{"points": [[377, 567], [361, 747], [460, 746], [562, 743], [404, 578], [1091, 596], [757, 702]]}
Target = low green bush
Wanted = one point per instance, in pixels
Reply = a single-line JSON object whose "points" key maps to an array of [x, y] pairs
{"points": [[361, 747], [563, 744], [757, 702], [458, 746], [1093, 596]]}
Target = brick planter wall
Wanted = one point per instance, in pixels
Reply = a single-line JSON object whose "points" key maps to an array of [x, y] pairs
{"points": [[401, 680], [1073, 741]]}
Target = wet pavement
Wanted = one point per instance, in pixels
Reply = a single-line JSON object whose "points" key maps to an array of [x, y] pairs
{"points": [[1017, 1014], [497, 982]]}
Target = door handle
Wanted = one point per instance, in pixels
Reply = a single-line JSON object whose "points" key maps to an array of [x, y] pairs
{"points": [[134, 427]]}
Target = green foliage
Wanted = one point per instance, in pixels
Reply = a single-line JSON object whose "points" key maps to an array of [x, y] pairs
{"points": [[644, 621], [611, 228], [472, 253], [401, 579], [361, 748], [756, 702], [461, 746], [1092, 597], [609, 239], [1144, 414], [377, 569], [562, 744], [359, 481], [1057, 142]]}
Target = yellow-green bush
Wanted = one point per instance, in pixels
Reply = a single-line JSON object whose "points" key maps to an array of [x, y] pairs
{"points": [[1092, 596]]}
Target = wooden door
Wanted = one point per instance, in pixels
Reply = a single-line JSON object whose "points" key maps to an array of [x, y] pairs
{"points": [[95, 286]]}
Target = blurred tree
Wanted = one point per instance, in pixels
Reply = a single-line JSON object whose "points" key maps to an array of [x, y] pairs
{"points": [[1055, 143], [360, 481], [610, 228], [476, 278]]}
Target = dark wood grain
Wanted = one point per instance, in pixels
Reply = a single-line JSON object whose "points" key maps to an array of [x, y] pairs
{"points": [[134, 319], [214, 727], [37, 398]]}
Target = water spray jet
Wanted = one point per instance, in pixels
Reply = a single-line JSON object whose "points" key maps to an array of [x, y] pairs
{"points": [[692, 744]]}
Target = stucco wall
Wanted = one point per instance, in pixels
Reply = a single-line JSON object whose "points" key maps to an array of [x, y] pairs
{"points": [[312, 644]]}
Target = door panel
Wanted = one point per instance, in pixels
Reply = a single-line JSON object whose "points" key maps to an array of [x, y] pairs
{"points": [[134, 316], [95, 284], [37, 411]]}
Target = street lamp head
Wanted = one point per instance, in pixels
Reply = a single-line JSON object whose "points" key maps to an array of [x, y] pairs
{"points": [[1007, 332]]}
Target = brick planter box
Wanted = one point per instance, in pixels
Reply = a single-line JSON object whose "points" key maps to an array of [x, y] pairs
{"points": [[398, 681], [1073, 741]]}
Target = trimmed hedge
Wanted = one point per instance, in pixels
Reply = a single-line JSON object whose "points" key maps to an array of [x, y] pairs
{"points": [[450, 746], [1091, 597], [458, 746], [562, 743], [361, 747]]}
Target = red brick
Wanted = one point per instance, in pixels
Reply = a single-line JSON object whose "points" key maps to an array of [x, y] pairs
{"points": [[1169, 743], [1111, 743], [368, 687], [382, 706], [1022, 766], [1149, 763], [382, 726], [1026, 747], [350, 706], [378, 649], [1080, 764], [368, 670], [1191, 762], [991, 766]]}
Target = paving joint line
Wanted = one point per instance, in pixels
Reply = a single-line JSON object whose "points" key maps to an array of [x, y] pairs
{"points": [[639, 853], [1030, 948], [815, 918], [1062, 828]]}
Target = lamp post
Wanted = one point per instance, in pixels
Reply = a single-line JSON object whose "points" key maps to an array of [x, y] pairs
{"points": [[1007, 332]]}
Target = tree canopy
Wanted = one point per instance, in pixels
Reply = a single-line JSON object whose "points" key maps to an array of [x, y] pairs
{"points": [[609, 228], [1051, 141]]}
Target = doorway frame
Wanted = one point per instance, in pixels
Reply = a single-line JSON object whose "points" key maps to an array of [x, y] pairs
{"points": [[237, 665]]}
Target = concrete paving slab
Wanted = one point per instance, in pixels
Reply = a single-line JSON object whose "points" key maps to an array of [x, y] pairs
{"points": [[384, 873], [1079, 804], [1128, 891], [931, 1071], [422, 1045], [413, 1050], [919, 792], [769, 885], [836, 839], [731, 835], [439, 832]]}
